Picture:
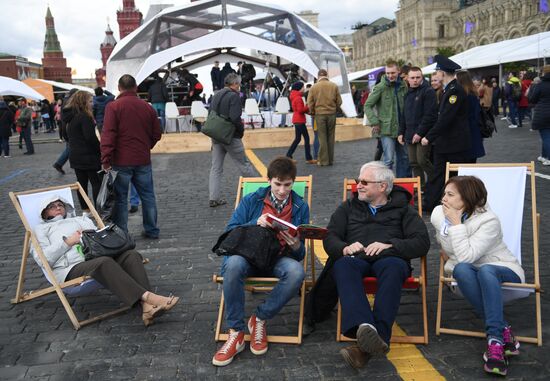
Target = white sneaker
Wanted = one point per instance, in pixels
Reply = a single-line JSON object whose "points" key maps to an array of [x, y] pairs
{"points": [[504, 118], [546, 162], [512, 126], [541, 159]]}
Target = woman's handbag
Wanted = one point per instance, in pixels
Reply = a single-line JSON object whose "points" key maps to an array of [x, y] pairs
{"points": [[218, 126], [109, 241], [258, 245], [106, 198]]}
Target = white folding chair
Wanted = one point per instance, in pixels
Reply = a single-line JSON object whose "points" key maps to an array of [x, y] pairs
{"points": [[198, 111], [505, 183], [251, 110], [27, 205], [173, 116]]}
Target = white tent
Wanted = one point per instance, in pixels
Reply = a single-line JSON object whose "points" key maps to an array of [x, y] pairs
{"points": [[518, 49], [67, 86], [208, 28], [356, 75], [9, 86]]}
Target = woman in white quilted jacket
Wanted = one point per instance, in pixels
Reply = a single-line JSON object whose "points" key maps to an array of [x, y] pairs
{"points": [[471, 237]]}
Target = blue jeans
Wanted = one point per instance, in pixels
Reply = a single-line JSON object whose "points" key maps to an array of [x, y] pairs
{"points": [[300, 130], [513, 114], [236, 268], [160, 109], [482, 288], [391, 272], [392, 148], [545, 137], [134, 197], [5, 146], [142, 178], [64, 156], [316, 145]]}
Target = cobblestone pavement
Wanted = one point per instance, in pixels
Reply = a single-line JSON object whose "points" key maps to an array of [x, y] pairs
{"points": [[38, 342]]}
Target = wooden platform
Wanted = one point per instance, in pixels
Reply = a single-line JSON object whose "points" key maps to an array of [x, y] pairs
{"points": [[346, 129]]}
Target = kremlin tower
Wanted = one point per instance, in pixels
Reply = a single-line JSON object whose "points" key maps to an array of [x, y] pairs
{"points": [[129, 18], [106, 48], [55, 65]]}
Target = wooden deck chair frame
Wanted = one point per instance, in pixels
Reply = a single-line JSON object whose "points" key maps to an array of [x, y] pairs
{"points": [[534, 286], [267, 283], [30, 239], [419, 280]]}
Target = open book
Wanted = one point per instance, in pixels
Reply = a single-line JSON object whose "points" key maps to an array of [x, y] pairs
{"points": [[304, 230]]}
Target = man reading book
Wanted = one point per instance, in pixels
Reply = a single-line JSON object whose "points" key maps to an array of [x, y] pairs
{"points": [[375, 233], [280, 200]]}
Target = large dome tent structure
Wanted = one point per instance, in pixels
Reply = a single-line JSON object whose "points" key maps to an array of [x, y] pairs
{"points": [[190, 34]]}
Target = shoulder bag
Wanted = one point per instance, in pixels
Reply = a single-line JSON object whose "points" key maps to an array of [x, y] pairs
{"points": [[219, 127]]}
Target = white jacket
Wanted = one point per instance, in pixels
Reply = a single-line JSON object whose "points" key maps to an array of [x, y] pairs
{"points": [[50, 233], [477, 241]]}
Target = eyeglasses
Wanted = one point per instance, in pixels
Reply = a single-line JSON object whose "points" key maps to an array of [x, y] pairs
{"points": [[55, 205], [366, 182]]}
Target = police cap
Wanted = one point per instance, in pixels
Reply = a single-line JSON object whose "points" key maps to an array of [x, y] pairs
{"points": [[445, 64]]}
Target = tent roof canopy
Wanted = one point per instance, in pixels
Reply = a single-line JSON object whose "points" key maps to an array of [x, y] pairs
{"points": [[257, 32], [517, 49], [9, 86]]}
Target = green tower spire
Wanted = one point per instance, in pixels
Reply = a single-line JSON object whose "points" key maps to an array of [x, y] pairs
{"points": [[51, 43]]}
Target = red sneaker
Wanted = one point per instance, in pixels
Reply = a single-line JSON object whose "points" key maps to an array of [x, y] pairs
{"points": [[233, 346], [258, 335]]}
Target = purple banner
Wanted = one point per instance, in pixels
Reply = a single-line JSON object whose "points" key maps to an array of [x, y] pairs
{"points": [[543, 6], [413, 42], [469, 27]]}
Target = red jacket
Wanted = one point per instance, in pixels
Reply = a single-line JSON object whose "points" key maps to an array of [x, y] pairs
{"points": [[523, 102], [130, 130], [298, 107]]}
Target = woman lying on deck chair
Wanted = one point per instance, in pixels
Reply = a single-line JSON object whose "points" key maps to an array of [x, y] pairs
{"points": [[125, 276], [471, 236]]}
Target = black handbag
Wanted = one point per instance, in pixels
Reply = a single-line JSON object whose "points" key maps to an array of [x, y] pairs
{"points": [[106, 198], [109, 241], [258, 245]]}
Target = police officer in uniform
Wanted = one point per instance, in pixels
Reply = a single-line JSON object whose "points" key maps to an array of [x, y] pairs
{"points": [[450, 136]]}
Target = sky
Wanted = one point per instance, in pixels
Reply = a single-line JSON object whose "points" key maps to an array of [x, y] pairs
{"points": [[80, 25]]}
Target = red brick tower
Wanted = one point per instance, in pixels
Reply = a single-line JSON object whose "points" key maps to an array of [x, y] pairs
{"points": [[129, 18], [55, 65], [106, 48]]}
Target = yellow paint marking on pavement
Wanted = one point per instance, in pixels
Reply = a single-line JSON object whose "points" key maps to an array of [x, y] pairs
{"points": [[256, 162], [409, 362]]}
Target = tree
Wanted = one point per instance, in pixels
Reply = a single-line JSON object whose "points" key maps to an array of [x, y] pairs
{"points": [[446, 51]]}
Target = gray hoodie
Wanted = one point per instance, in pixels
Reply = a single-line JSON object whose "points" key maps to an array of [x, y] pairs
{"points": [[50, 234]]}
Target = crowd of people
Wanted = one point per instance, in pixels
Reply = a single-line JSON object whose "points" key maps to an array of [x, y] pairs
{"points": [[421, 126]]}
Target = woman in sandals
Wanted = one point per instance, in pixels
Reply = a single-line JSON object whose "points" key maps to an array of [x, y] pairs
{"points": [[471, 238], [125, 276]]}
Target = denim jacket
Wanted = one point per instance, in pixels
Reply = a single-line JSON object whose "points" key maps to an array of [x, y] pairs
{"points": [[250, 209]]}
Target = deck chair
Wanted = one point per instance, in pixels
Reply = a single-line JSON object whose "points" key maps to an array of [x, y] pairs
{"points": [[412, 185], [251, 110], [504, 182], [27, 204], [302, 186]]}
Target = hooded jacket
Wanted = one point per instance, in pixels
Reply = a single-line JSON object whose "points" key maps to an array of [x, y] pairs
{"points": [[419, 111], [6, 121], [388, 98], [100, 102], [397, 223], [513, 81], [84, 151], [539, 95], [50, 233], [298, 107]]}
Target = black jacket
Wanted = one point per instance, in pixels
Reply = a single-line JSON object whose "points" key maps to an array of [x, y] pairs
{"points": [[225, 70], [227, 102], [84, 151], [451, 133], [419, 112], [397, 223], [539, 95], [100, 102], [215, 75], [6, 121], [158, 93]]}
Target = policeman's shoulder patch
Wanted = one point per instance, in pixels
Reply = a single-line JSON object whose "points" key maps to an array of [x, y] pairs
{"points": [[452, 99]]}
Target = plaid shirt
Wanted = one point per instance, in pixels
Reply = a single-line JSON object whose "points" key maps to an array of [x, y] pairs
{"points": [[279, 205]]}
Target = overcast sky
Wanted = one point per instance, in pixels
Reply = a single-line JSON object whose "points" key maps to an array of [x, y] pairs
{"points": [[81, 25]]}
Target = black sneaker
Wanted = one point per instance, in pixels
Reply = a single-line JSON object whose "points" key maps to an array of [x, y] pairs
{"points": [[369, 341], [511, 345], [495, 362], [133, 208], [214, 203], [58, 168], [148, 236]]}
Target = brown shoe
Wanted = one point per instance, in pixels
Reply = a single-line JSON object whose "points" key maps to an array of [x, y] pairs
{"points": [[311, 161], [354, 356]]}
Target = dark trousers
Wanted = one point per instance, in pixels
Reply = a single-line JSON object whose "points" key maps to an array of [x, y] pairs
{"points": [[83, 176], [390, 272], [435, 184], [5, 146], [26, 136], [124, 276], [300, 130]]}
